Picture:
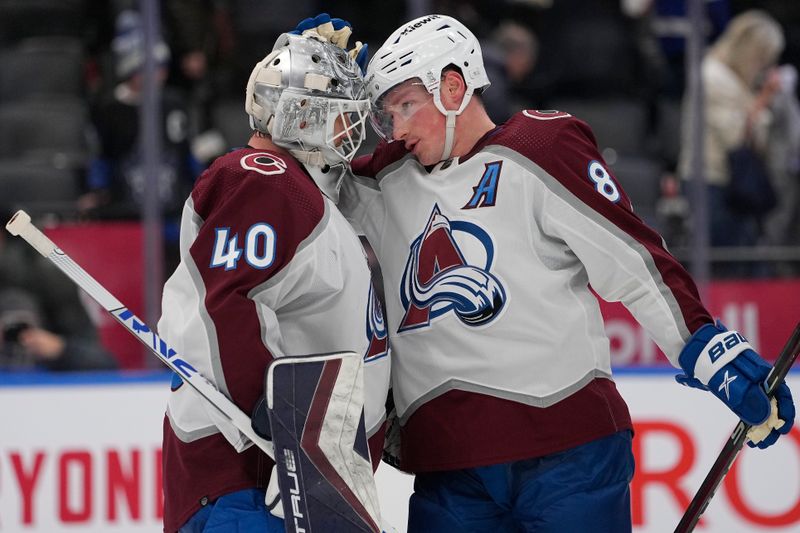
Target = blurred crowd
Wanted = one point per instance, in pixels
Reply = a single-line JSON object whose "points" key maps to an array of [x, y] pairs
{"points": [[71, 75]]}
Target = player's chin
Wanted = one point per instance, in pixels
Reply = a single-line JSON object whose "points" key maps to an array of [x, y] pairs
{"points": [[426, 158]]}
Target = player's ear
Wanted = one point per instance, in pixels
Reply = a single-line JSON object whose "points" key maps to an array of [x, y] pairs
{"points": [[453, 89]]}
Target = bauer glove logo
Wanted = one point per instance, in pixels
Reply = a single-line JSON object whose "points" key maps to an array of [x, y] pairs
{"points": [[726, 381]]}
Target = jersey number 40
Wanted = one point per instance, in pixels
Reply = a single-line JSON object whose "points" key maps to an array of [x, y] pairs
{"points": [[258, 251]]}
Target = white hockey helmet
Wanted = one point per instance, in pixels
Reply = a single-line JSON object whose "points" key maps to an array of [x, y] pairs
{"points": [[298, 94], [422, 49]]}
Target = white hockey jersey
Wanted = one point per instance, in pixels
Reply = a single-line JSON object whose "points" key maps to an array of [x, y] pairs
{"points": [[269, 267], [489, 262]]}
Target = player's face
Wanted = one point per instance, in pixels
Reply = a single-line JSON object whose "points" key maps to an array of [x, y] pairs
{"points": [[416, 122]]}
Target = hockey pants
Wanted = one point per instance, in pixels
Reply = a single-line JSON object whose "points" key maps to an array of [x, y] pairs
{"points": [[238, 512], [582, 489]]}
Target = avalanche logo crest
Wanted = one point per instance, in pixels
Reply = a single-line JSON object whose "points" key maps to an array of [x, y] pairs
{"points": [[448, 270]]}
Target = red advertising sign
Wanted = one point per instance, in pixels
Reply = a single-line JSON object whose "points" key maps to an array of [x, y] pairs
{"points": [[112, 254], [765, 312]]}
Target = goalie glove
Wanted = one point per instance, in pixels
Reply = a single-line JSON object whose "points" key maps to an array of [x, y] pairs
{"points": [[337, 32], [724, 363]]}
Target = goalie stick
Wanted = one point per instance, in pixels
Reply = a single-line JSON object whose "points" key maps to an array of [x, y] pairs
{"points": [[737, 439], [21, 225]]}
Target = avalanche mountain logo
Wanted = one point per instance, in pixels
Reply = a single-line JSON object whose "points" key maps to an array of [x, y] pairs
{"points": [[448, 269]]}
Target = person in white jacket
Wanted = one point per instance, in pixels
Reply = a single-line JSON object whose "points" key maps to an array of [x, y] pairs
{"points": [[739, 84]]}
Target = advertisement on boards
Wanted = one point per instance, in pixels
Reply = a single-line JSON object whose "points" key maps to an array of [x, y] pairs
{"points": [[86, 457]]}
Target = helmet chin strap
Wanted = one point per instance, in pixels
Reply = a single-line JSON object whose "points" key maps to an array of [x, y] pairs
{"points": [[449, 134], [309, 158], [450, 124]]}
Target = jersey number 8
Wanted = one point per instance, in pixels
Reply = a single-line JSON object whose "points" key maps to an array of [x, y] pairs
{"points": [[602, 181]]}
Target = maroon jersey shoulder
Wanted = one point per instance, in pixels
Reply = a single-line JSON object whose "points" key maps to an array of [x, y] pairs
{"points": [[248, 187], [255, 174], [545, 137], [565, 148]]}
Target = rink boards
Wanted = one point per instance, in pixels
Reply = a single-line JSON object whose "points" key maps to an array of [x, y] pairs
{"points": [[85, 455]]}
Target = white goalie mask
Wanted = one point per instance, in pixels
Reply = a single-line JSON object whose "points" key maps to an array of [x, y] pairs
{"points": [[309, 97], [421, 50]]}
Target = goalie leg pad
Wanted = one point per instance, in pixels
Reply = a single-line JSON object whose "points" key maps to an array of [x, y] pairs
{"points": [[316, 413]]}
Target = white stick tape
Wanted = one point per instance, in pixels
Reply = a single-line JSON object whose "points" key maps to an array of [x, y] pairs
{"points": [[20, 224]]}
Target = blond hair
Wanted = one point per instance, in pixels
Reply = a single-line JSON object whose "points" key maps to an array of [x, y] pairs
{"points": [[751, 42]]}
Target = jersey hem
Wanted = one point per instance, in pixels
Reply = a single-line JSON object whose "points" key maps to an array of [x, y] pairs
{"points": [[519, 456]]}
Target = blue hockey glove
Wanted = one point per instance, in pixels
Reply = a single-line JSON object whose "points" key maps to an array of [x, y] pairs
{"points": [[724, 363], [311, 23], [335, 31]]}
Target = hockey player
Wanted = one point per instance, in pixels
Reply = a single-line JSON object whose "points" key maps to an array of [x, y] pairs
{"points": [[491, 240], [269, 268]]}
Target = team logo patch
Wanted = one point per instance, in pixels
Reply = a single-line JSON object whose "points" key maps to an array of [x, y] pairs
{"points": [[448, 270], [726, 382], [545, 114], [264, 163], [376, 329]]}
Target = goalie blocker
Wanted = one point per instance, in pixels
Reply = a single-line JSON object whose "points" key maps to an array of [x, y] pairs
{"points": [[315, 415]]}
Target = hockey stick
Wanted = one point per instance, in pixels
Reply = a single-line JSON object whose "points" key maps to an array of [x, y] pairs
{"points": [[20, 225], [737, 439]]}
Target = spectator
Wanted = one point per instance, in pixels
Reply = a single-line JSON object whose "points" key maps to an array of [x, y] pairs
{"points": [[116, 179], [737, 113], [590, 50], [783, 156], [671, 25], [520, 52], [673, 210], [202, 37], [43, 322], [257, 24]]}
